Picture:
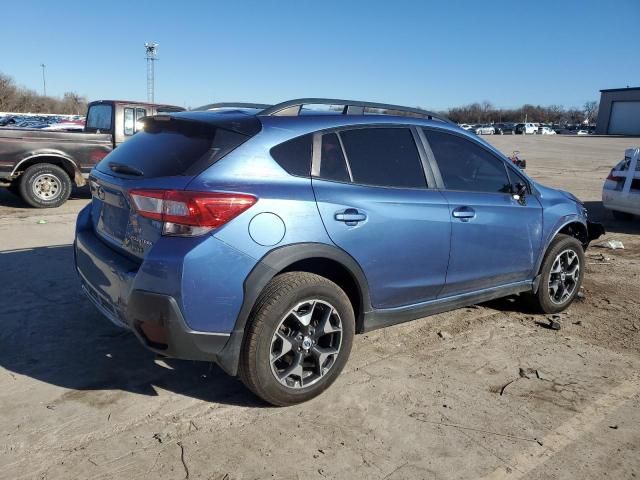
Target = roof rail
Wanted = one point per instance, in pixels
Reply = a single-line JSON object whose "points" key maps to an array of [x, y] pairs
{"points": [[213, 106], [292, 108]]}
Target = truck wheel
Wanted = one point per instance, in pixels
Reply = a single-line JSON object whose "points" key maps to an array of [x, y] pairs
{"points": [[45, 186], [298, 338], [561, 275]]}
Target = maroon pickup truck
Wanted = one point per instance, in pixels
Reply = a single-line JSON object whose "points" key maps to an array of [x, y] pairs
{"points": [[42, 166]]}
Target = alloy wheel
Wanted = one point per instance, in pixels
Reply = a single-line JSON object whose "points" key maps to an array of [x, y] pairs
{"points": [[306, 344], [564, 276]]}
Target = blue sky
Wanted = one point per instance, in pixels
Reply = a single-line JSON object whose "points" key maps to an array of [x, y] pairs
{"points": [[420, 53]]}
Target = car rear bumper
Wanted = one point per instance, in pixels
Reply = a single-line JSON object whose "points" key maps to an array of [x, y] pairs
{"points": [[169, 301], [628, 202]]}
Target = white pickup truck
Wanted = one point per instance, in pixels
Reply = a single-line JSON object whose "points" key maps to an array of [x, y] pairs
{"points": [[621, 190]]}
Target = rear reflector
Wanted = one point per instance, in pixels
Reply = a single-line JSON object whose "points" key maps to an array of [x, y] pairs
{"points": [[195, 209]]}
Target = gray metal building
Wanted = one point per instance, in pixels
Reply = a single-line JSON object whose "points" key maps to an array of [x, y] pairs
{"points": [[619, 112]]}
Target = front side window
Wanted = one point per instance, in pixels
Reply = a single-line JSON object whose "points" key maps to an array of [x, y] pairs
{"points": [[466, 166], [129, 122], [385, 157]]}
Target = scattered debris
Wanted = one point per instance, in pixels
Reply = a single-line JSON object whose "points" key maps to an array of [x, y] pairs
{"points": [[506, 385], [42, 221], [613, 427], [580, 296], [445, 335], [108, 355], [184, 464], [157, 437], [553, 322], [51, 407], [421, 417], [525, 372], [91, 461], [600, 257], [612, 244]]}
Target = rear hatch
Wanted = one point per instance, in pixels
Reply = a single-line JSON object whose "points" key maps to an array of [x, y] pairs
{"points": [[170, 152]]}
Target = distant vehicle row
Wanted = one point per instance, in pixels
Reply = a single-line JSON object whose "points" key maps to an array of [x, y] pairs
{"points": [[524, 129]]}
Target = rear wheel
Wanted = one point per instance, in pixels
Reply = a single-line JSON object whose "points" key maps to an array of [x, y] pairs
{"points": [[45, 186], [618, 215], [561, 273], [298, 339]]}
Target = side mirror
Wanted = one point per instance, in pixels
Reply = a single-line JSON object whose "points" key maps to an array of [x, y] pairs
{"points": [[519, 192]]}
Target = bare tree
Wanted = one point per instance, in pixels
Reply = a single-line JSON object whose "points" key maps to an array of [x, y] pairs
{"points": [[14, 98], [591, 111]]}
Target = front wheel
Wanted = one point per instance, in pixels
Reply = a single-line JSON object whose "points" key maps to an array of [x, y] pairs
{"points": [[298, 340], [561, 275], [45, 186]]}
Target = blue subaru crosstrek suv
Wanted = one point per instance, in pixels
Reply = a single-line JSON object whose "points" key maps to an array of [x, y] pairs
{"points": [[263, 238]]}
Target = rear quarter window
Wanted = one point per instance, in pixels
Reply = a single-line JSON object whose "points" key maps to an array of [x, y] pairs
{"points": [[294, 155]]}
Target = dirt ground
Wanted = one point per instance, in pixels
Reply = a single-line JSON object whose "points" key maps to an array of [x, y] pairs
{"points": [[501, 397]]}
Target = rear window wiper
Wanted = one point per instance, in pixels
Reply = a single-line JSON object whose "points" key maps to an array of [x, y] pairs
{"points": [[126, 169]]}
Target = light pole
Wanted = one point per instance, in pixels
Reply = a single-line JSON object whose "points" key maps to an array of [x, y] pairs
{"points": [[44, 80], [151, 49]]}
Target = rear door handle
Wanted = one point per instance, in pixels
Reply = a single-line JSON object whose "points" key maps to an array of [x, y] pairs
{"points": [[464, 213], [350, 216]]}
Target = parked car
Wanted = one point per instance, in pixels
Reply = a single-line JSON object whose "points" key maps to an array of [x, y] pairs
{"points": [[564, 131], [41, 165], [544, 130], [526, 129], [505, 128], [582, 132], [278, 236], [621, 189], [485, 130], [465, 126]]}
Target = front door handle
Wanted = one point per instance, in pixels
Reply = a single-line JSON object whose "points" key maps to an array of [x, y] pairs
{"points": [[464, 213], [350, 216]]}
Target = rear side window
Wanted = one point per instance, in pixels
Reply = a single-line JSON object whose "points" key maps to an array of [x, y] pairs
{"points": [[386, 157], [129, 122], [294, 156], [332, 163], [99, 117], [175, 147], [466, 166]]}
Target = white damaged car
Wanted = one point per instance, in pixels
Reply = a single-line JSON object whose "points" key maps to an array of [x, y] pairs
{"points": [[621, 190]]}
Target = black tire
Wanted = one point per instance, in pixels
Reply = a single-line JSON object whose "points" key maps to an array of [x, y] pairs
{"points": [[281, 295], [543, 300], [45, 186], [618, 215]]}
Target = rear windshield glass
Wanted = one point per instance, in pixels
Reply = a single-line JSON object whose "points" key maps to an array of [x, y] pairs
{"points": [[172, 148], [99, 117]]}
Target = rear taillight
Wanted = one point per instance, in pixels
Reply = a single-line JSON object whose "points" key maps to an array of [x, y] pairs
{"points": [[613, 177], [189, 213]]}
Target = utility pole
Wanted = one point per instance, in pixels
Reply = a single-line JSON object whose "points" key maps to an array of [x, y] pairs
{"points": [[44, 80], [151, 49]]}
